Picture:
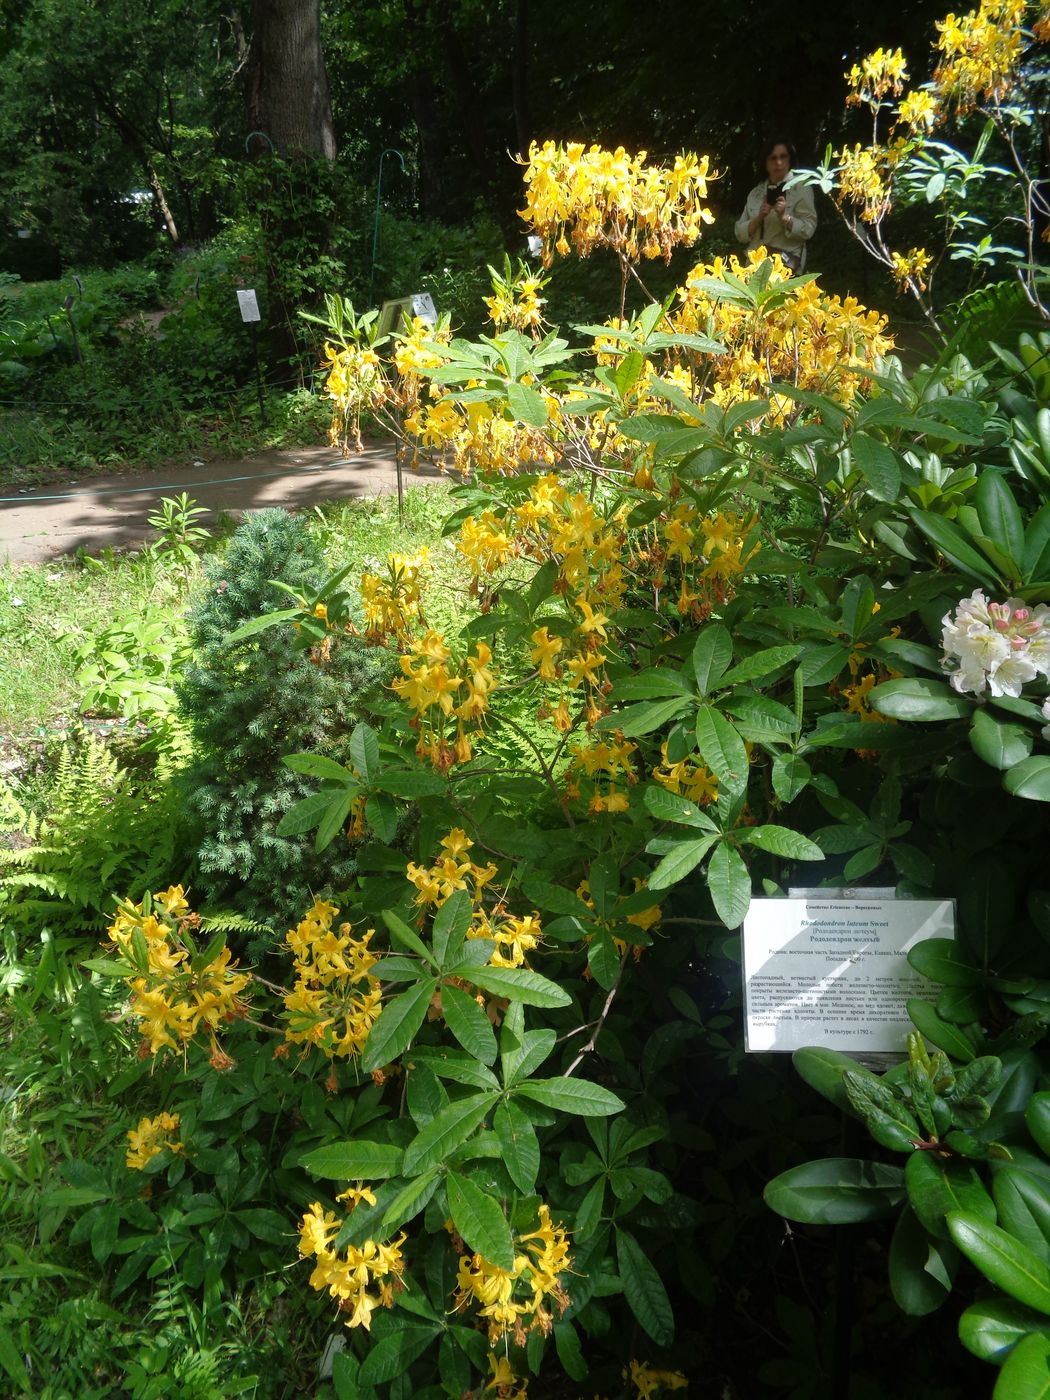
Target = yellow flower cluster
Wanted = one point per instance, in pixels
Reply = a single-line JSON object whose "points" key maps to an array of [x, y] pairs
{"points": [[481, 438], [694, 782], [881, 73], [866, 178], [513, 1300], [151, 1137], [176, 993], [812, 340], [335, 1001], [515, 303], [355, 382], [648, 1380], [392, 603], [601, 765], [919, 110], [514, 935], [596, 198], [349, 1274], [504, 1385], [980, 53], [438, 696], [911, 267]]}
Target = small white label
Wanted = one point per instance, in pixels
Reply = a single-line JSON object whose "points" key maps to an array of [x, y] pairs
{"points": [[835, 972], [249, 304], [423, 307]]}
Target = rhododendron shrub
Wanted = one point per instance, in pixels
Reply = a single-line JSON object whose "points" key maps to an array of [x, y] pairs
{"points": [[705, 551]]}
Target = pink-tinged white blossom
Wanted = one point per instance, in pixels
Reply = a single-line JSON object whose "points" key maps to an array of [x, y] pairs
{"points": [[995, 646]]}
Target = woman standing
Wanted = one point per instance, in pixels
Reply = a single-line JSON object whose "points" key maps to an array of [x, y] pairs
{"points": [[783, 221]]}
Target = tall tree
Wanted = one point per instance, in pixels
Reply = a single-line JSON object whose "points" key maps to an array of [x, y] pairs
{"points": [[288, 94]]}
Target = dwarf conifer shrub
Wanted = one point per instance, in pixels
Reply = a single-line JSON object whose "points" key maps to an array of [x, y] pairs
{"points": [[251, 703]]}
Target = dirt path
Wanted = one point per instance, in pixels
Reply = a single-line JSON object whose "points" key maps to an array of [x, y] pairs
{"points": [[37, 525]]}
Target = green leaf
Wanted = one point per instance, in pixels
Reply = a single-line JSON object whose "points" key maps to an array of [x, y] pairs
{"points": [[260, 624], [823, 1070], [572, 1096], [1000, 515], [1030, 779], [11, 1361], [333, 820], [555, 898], [480, 1220], [381, 815], [526, 404], [941, 960], [761, 664], [364, 753], [997, 742], [451, 923], [1024, 1208], [918, 698], [469, 1024], [1026, 1371], [943, 1034], [520, 984], [407, 937], [397, 1024], [790, 776], [305, 815], [408, 1202], [356, 1160], [878, 464], [781, 841], [955, 547], [993, 1326], [518, 1144], [1037, 1117], [644, 718], [412, 782], [722, 749], [937, 1188], [445, 1132], [570, 1354], [392, 1355], [711, 655], [670, 807], [730, 885], [316, 765], [1002, 1260], [644, 1290], [603, 959], [683, 857], [836, 1191], [917, 1289]]}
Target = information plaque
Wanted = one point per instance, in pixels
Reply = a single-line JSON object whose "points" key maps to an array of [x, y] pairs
{"points": [[833, 971], [248, 303]]}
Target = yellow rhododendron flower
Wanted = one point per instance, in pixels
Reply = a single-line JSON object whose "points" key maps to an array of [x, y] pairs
{"points": [[151, 1137]]}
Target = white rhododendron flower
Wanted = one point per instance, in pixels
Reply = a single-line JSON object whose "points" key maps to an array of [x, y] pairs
{"points": [[996, 646]]}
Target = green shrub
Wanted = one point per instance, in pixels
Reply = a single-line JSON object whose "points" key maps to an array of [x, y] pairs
{"points": [[249, 705]]}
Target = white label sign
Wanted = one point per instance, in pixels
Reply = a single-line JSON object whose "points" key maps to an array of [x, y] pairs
{"points": [[249, 304], [835, 972], [423, 307]]}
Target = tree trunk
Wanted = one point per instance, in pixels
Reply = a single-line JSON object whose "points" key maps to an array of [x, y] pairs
{"points": [[288, 96]]}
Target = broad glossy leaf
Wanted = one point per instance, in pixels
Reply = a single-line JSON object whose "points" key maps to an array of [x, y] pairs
{"points": [[1026, 1371], [1023, 1203], [836, 1191], [364, 753], [996, 741], [356, 1160], [943, 1034], [722, 749], [878, 464], [670, 807], [993, 1326], [1030, 778], [392, 1355], [918, 698], [937, 1188], [572, 1096], [644, 1290], [1037, 1116], [682, 858], [451, 923], [468, 1023], [1003, 1260], [480, 1220], [445, 1132], [999, 514], [919, 1289], [397, 1024], [729, 881], [518, 1143], [780, 841], [520, 984], [317, 765], [526, 404], [711, 655], [941, 960]]}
